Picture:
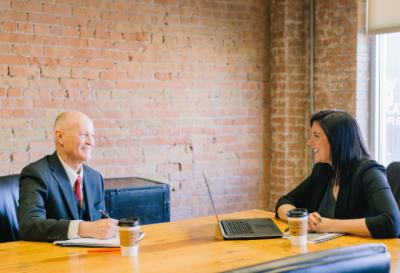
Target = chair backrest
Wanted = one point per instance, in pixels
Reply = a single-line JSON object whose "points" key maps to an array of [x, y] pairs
{"points": [[366, 258], [9, 194], [393, 177]]}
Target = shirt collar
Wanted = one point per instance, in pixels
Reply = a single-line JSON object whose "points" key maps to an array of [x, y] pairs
{"points": [[72, 175]]}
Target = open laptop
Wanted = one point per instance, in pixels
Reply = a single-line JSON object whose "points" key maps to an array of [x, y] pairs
{"points": [[245, 229]]}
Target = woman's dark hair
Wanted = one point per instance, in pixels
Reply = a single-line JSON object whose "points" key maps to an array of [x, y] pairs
{"points": [[345, 140]]}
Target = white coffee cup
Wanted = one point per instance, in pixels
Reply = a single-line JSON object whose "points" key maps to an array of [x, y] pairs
{"points": [[129, 234], [298, 226]]}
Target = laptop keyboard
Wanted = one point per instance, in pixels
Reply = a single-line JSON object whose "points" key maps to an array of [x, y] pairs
{"points": [[238, 227]]}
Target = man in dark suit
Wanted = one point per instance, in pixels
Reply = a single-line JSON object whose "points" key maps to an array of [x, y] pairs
{"points": [[59, 197]]}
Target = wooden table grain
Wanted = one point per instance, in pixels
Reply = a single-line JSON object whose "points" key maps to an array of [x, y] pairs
{"points": [[181, 246]]}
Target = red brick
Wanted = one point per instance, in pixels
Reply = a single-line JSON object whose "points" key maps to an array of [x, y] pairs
{"points": [[77, 104], [52, 103], [115, 16], [131, 85], [44, 82], [74, 42], [48, 40], [101, 44], [25, 27], [5, 48], [76, 62], [113, 76], [42, 18], [73, 21], [8, 26], [16, 103], [115, 36], [73, 3], [166, 2], [23, 71], [108, 104], [64, 31], [13, 37], [14, 92], [100, 64], [13, 15], [55, 72], [59, 93], [43, 61], [85, 73], [57, 52], [5, 5], [82, 11], [100, 34], [101, 85], [74, 83], [136, 36], [86, 33], [115, 55], [3, 92], [58, 9]]}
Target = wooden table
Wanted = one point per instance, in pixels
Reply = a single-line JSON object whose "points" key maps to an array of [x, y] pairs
{"points": [[182, 246]]}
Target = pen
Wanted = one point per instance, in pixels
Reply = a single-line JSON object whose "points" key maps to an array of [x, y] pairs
{"points": [[103, 249], [104, 214]]}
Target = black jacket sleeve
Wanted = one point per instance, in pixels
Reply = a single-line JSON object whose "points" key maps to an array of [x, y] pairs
{"points": [[384, 221]]}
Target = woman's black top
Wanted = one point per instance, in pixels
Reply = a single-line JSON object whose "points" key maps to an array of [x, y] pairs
{"points": [[366, 195], [327, 205]]}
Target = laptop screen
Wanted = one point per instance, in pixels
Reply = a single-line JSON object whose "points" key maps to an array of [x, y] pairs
{"points": [[209, 193]]}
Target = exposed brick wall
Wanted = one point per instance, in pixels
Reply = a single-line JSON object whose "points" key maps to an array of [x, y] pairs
{"points": [[342, 58], [335, 54], [290, 95], [340, 78], [174, 87]]}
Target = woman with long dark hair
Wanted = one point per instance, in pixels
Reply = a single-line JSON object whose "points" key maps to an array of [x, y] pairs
{"points": [[347, 191]]}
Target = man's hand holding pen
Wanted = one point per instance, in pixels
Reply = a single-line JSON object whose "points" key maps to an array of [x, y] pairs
{"points": [[105, 228], [104, 214]]}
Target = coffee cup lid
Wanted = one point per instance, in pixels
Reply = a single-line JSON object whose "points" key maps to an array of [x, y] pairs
{"points": [[129, 222], [297, 213]]}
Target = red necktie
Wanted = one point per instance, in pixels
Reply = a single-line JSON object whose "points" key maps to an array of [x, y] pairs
{"points": [[77, 190]]}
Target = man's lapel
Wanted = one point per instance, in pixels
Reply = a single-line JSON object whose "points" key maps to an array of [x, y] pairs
{"points": [[61, 177], [87, 186]]}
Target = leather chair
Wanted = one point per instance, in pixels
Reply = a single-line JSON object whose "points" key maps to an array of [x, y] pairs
{"points": [[9, 194], [393, 177], [366, 258]]}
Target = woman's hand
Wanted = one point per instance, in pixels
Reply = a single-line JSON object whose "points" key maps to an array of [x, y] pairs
{"points": [[283, 210], [316, 223]]}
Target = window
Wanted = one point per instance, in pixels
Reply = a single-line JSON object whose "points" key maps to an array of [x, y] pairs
{"points": [[386, 97]]}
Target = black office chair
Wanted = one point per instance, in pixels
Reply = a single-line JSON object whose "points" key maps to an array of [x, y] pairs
{"points": [[9, 194], [393, 177], [366, 258]]}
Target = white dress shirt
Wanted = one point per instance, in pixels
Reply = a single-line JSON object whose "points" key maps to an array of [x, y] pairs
{"points": [[72, 176]]}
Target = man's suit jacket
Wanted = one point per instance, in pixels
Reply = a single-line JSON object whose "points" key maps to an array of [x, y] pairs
{"points": [[47, 202]]}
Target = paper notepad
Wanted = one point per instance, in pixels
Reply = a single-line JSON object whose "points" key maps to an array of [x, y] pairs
{"points": [[315, 238], [91, 242]]}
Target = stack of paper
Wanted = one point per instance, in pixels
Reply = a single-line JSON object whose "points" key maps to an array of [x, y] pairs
{"points": [[91, 242], [315, 238]]}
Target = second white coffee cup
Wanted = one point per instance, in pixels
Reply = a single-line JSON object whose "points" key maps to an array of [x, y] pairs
{"points": [[298, 225]]}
